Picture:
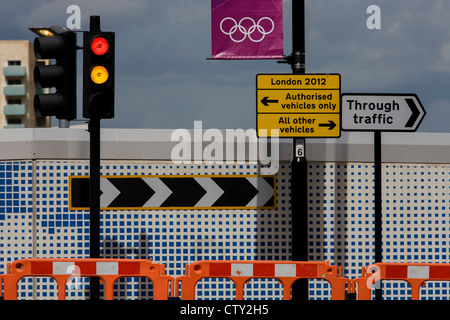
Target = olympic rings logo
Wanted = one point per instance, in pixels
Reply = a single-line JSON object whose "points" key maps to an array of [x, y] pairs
{"points": [[255, 28]]}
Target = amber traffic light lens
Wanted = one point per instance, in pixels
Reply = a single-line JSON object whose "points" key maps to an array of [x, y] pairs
{"points": [[99, 75]]}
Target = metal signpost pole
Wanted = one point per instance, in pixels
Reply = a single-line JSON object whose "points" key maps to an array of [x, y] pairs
{"points": [[299, 164], [378, 219]]}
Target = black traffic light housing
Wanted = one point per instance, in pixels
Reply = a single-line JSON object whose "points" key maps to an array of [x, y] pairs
{"points": [[61, 47], [98, 74]]}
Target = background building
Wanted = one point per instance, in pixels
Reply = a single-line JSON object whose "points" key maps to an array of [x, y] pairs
{"points": [[16, 98], [35, 220]]}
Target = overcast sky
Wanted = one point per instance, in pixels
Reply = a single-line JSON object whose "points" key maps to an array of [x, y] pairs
{"points": [[164, 80]]}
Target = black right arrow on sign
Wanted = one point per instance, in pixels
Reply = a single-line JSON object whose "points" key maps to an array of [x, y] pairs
{"points": [[415, 113]]}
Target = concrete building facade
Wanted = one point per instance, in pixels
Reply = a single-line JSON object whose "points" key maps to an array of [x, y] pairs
{"points": [[18, 89]]}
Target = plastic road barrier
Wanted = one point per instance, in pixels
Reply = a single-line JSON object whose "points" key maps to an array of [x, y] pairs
{"points": [[287, 272], [109, 270], [416, 274]]}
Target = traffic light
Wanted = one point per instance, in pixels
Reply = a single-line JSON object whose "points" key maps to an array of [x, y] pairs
{"points": [[61, 47], [98, 75]]}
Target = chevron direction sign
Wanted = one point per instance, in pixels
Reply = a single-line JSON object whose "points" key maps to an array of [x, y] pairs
{"points": [[381, 112], [176, 192]]}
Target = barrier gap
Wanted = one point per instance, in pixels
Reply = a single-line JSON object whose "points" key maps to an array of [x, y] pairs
{"points": [[40, 288], [395, 290], [207, 288], [133, 288], [435, 290], [263, 289], [319, 289]]}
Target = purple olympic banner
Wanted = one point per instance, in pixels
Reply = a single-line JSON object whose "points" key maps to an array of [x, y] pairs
{"points": [[247, 29]]}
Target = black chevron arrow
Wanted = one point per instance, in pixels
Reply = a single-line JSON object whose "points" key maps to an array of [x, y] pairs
{"points": [[134, 192], [233, 192], [186, 192], [330, 125], [415, 113], [265, 101]]}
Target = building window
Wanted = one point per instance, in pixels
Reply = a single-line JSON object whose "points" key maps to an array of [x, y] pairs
{"points": [[13, 81], [14, 121], [14, 63], [14, 101]]}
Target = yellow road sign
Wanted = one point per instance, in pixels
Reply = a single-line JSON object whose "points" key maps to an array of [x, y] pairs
{"points": [[298, 101], [299, 81], [299, 124], [299, 105]]}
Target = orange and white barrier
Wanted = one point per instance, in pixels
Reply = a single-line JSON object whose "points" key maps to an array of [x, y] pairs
{"points": [[108, 270], [287, 272], [240, 272], [1, 287], [416, 274]]}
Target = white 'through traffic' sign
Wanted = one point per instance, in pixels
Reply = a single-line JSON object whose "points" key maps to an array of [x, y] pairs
{"points": [[381, 112]]}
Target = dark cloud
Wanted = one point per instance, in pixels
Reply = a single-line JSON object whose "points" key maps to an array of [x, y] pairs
{"points": [[165, 81]]}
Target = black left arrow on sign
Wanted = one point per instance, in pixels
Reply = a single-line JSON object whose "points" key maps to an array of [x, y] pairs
{"points": [[265, 101]]}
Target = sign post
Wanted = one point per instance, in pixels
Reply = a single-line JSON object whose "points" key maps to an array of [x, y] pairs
{"points": [[290, 105], [378, 113], [299, 163], [378, 206]]}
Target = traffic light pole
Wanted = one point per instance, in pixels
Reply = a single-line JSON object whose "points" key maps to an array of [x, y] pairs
{"points": [[299, 164], [94, 186], [98, 101], [94, 201]]}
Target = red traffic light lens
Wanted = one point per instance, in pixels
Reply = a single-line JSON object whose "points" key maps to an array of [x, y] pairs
{"points": [[99, 46]]}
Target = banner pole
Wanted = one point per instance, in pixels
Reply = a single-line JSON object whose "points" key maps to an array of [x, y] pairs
{"points": [[299, 164]]}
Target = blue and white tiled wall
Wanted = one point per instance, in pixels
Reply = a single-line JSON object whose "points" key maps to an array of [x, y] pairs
{"points": [[35, 222]]}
